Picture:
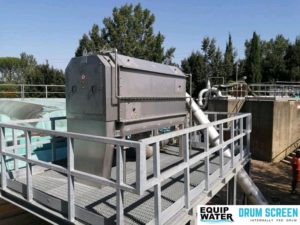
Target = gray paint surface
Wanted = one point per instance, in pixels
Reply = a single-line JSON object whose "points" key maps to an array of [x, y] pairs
{"points": [[99, 101]]}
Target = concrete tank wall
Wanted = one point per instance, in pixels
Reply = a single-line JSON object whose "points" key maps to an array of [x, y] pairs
{"points": [[286, 128], [262, 128], [275, 124]]}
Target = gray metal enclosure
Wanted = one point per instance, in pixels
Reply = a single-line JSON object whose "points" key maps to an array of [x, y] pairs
{"points": [[115, 95]]}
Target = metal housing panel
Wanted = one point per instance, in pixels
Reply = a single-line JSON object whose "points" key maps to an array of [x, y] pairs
{"points": [[91, 157], [145, 110], [149, 90], [89, 109], [88, 89], [84, 87], [140, 64], [134, 83], [140, 94]]}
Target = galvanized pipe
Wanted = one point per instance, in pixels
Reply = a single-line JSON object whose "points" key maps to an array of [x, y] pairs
{"points": [[245, 182], [203, 92]]}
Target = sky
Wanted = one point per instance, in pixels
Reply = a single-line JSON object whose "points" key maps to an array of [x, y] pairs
{"points": [[51, 29]]}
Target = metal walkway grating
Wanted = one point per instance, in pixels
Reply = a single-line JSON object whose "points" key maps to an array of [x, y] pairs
{"points": [[156, 190], [137, 209]]}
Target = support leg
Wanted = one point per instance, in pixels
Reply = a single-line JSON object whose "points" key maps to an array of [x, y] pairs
{"points": [[231, 191]]}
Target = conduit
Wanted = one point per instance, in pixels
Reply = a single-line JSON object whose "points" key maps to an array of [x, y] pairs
{"points": [[243, 179], [204, 95]]}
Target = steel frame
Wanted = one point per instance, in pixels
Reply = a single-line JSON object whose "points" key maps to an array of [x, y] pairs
{"points": [[239, 134]]}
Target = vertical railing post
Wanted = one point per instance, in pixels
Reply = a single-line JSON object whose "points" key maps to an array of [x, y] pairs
{"points": [[234, 188], [141, 168], [206, 159], [46, 90], [232, 143], [215, 119], [28, 166], [236, 127], [221, 154], [191, 98], [248, 130], [22, 91], [186, 158], [157, 187], [15, 143], [124, 164], [180, 151], [231, 191], [2, 151], [53, 142], [242, 138], [71, 184], [119, 191]]}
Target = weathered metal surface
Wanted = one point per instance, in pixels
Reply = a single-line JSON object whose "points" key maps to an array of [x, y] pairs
{"points": [[98, 99]]}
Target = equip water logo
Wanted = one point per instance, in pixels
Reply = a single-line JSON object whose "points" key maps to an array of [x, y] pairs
{"points": [[214, 214], [248, 214]]}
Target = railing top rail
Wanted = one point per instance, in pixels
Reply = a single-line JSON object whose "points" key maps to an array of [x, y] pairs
{"points": [[34, 85], [188, 130], [275, 85], [222, 113], [264, 85], [258, 90], [87, 137], [28, 121]]}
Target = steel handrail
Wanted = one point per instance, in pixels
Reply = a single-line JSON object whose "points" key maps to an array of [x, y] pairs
{"points": [[143, 183], [21, 89]]}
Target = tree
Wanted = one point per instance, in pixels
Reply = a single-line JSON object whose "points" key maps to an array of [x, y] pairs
{"points": [[273, 62], [217, 68], [229, 60], [10, 69], [292, 60], [130, 30], [28, 65], [26, 70], [212, 58], [46, 74], [204, 64], [253, 59], [169, 55], [208, 48], [85, 44], [195, 65], [240, 67]]}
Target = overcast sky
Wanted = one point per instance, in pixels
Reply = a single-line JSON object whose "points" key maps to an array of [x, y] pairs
{"points": [[50, 29]]}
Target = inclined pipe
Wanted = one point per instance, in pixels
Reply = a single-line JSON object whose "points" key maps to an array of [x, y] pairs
{"points": [[245, 182]]}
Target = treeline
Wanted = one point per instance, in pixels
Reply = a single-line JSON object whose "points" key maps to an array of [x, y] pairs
{"points": [[26, 70], [130, 30], [277, 59]]}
